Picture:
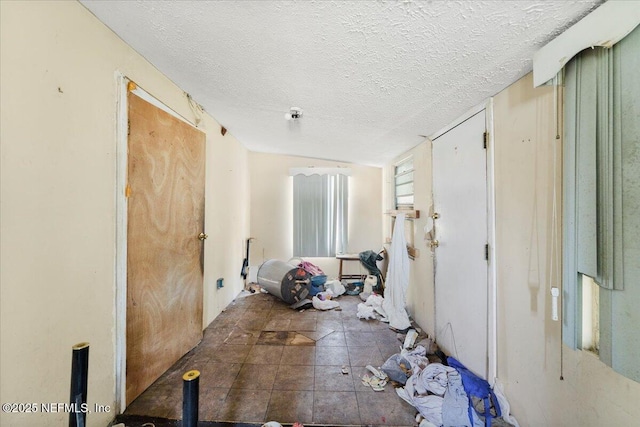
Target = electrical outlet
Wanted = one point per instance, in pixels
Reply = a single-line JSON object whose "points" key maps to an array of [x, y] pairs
{"points": [[220, 283]]}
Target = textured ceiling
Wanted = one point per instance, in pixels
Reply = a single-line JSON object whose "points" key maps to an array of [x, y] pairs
{"points": [[371, 77]]}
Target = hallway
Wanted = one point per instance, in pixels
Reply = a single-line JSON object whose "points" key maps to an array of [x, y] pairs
{"points": [[261, 361]]}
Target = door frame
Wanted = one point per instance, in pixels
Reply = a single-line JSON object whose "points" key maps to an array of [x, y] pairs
{"points": [[122, 156], [492, 285]]}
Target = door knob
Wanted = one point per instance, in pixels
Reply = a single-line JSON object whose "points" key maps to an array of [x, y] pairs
{"points": [[434, 243], [202, 236]]}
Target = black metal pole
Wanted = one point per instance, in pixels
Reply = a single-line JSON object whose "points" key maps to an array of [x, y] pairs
{"points": [[190, 397], [79, 374]]}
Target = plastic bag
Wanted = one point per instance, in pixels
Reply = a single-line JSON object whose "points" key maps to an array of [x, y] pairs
{"points": [[326, 304], [376, 301], [336, 287], [397, 368], [417, 358], [365, 312]]}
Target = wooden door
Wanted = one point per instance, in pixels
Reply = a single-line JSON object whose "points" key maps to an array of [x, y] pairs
{"points": [[165, 190], [461, 269]]}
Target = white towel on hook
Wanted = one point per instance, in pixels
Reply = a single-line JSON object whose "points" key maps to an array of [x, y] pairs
{"points": [[397, 278]]}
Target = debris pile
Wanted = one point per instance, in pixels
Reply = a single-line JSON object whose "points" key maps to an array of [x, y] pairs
{"points": [[377, 381]]}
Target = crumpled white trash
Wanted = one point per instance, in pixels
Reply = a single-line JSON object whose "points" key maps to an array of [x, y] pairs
{"points": [[336, 287], [376, 302], [365, 312], [323, 301]]}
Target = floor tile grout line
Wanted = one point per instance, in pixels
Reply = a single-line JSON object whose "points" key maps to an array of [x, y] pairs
{"points": [[379, 344]]}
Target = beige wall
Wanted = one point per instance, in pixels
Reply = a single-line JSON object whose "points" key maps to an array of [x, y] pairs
{"points": [[272, 209], [227, 219], [58, 216], [528, 263], [420, 293], [58, 212]]}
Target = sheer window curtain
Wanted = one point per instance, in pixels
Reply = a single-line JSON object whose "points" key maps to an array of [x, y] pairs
{"points": [[320, 214]]}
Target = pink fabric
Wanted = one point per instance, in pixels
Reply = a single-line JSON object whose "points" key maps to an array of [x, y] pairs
{"points": [[312, 269]]}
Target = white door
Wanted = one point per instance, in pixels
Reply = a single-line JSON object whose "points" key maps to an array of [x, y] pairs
{"points": [[460, 199]]}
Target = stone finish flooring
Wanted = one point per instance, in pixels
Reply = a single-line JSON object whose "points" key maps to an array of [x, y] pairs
{"points": [[261, 361]]}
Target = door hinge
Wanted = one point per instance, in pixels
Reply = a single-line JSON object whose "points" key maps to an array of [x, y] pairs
{"points": [[486, 252], [128, 127], [485, 140]]}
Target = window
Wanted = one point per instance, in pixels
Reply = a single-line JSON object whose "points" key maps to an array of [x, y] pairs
{"points": [[601, 261], [404, 184], [320, 214], [590, 314]]}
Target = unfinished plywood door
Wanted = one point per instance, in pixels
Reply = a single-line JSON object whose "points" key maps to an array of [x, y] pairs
{"points": [[461, 269], [165, 189]]}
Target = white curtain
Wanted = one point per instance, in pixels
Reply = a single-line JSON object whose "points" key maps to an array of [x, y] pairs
{"points": [[397, 278], [320, 214]]}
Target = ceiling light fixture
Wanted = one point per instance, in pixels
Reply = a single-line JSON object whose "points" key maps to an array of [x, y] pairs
{"points": [[294, 113]]}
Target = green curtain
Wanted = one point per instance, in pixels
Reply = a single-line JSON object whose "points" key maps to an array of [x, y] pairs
{"points": [[601, 203]]}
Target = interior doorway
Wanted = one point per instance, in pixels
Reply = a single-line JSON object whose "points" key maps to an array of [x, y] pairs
{"points": [[160, 307]]}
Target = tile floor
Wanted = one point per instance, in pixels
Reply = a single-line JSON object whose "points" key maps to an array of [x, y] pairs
{"points": [[261, 361]]}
